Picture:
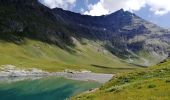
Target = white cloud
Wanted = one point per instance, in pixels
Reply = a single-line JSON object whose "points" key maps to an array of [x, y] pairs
{"points": [[158, 7], [96, 10], [65, 4]]}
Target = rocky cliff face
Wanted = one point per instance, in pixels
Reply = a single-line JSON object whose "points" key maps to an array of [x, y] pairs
{"points": [[122, 33], [29, 19]]}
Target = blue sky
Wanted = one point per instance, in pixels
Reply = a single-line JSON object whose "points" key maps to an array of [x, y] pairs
{"points": [[156, 11], [161, 20]]}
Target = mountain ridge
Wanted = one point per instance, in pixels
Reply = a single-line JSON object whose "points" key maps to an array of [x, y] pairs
{"points": [[127, 26], [122, 33]]}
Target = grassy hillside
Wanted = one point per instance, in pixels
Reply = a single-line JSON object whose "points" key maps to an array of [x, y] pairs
{"points": [[36, 54], [150, 84]]}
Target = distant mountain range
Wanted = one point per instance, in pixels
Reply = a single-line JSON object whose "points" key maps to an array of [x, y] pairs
{"points": [[122, 33]]}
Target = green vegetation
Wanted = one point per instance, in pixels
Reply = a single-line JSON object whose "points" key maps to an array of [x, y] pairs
{"points": [[146, 58], [150, 84], [36, 54]]}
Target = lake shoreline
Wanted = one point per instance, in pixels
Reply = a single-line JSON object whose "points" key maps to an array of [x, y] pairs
{"points": [[10, 71]]}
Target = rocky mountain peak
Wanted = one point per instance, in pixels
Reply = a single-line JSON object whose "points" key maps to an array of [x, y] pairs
{"points": [[121, 11]]}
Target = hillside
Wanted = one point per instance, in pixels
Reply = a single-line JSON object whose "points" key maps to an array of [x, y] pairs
{"points": [[36, 54], [32, 35], [124, 34], [150, 84]]}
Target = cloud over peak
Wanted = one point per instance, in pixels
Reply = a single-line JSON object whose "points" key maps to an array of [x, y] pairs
{"points": [[102, 7], [65, 4]]}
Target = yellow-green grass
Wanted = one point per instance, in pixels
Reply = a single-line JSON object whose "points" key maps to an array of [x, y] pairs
{"points": [[36, 54], [150, 84]]}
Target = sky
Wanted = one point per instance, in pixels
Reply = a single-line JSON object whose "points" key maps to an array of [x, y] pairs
{"points": [[156, 11]]}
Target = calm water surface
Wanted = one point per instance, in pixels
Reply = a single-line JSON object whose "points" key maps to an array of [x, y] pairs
{"points": [[49, 88]]}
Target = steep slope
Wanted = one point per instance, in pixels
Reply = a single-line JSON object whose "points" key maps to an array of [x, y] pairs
{"points": [[32, 35], [29, 19], [153, 83], [122, 33]]}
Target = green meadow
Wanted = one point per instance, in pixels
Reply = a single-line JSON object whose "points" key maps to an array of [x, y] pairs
{"points": [[49, 57], [149, 84]]}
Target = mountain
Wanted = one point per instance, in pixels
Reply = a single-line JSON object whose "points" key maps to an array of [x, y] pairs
{"points": [[122, 33], [28, 18], [39, 34]]}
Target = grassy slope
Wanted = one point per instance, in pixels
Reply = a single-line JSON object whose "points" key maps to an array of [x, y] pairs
{"points": [[51, 58], [146, 58], [150, 84]]}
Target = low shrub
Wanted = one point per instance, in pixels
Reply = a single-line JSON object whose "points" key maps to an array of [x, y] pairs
{"points": [[151, 86]]}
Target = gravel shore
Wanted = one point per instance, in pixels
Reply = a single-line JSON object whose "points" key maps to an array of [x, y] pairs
{"points": [[10, 71]]}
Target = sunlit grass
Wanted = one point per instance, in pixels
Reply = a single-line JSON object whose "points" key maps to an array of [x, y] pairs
{"points": [[36, 54], [149, 84]]}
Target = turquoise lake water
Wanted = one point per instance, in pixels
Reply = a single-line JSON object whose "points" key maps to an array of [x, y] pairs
{"points": [[49, 88]]}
